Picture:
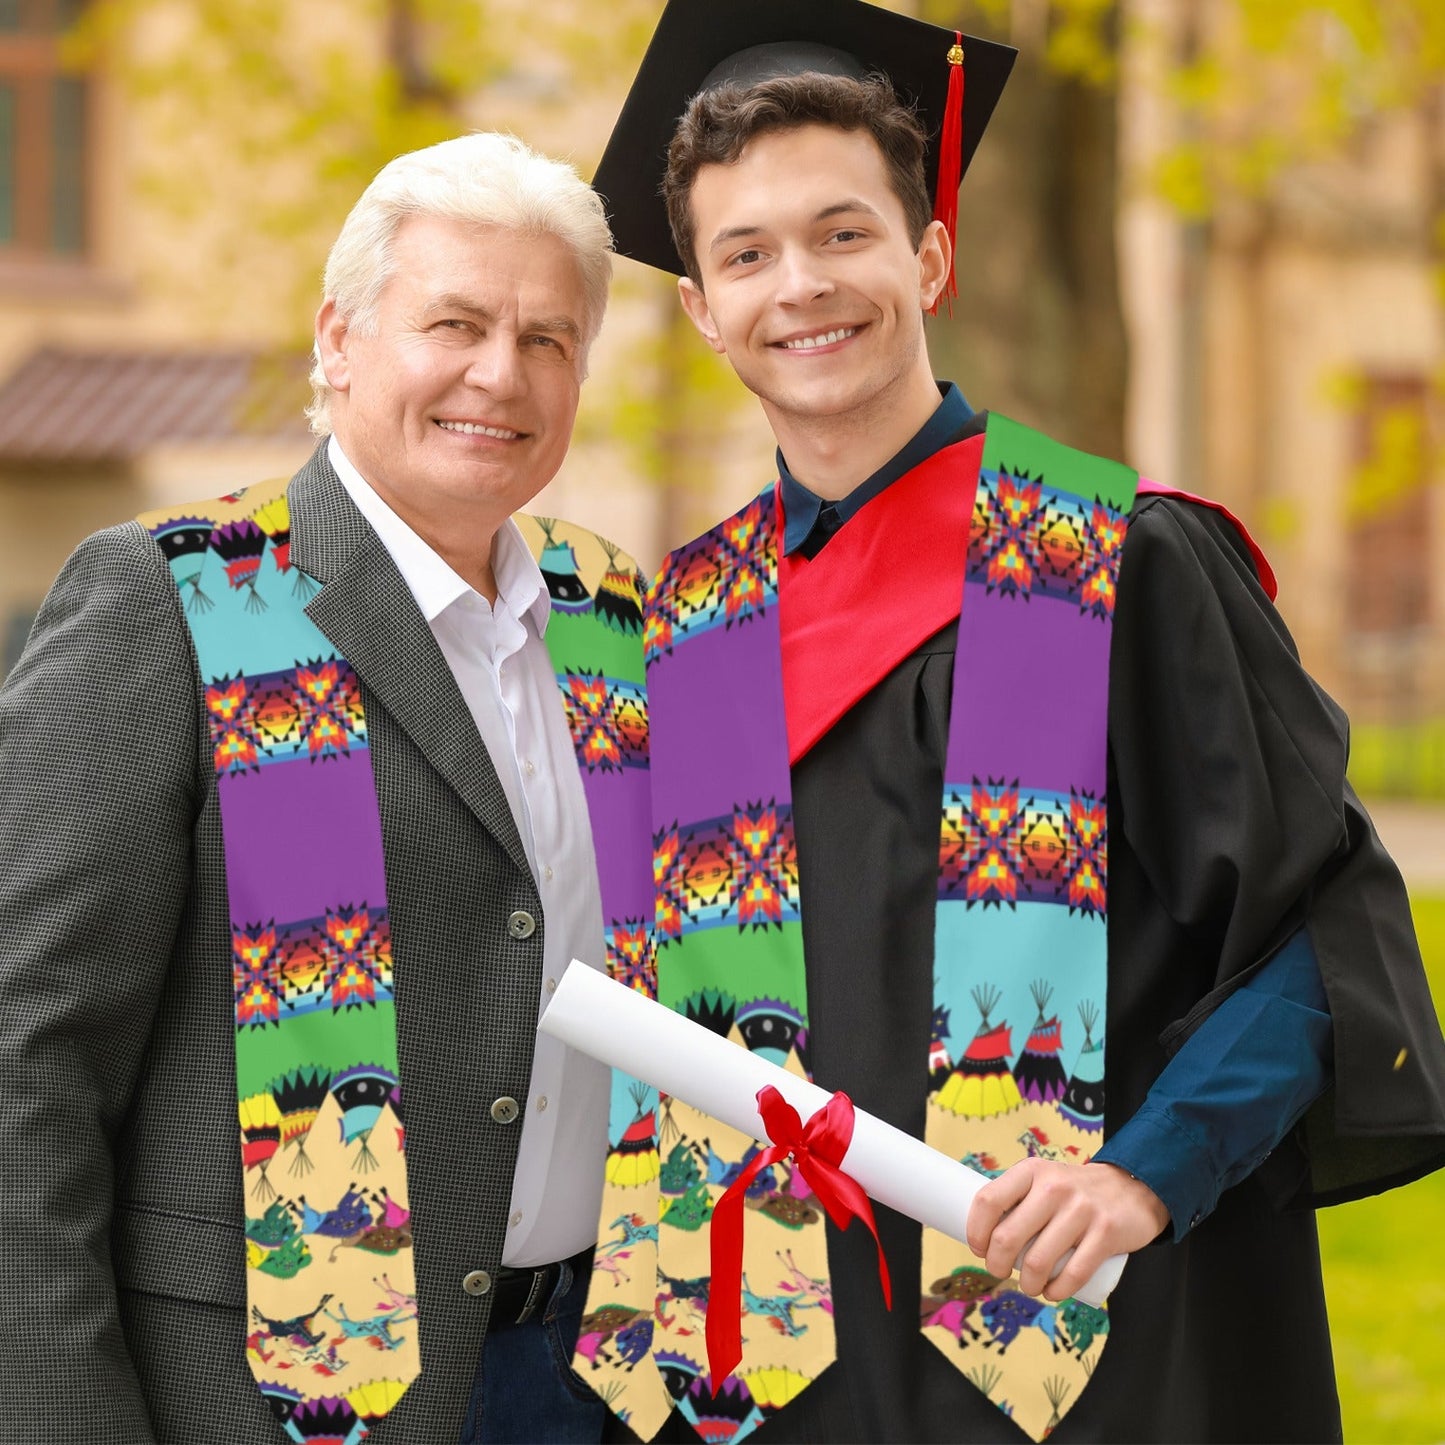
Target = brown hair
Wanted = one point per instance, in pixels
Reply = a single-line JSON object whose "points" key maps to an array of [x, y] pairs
{"points": [[719, 123]]}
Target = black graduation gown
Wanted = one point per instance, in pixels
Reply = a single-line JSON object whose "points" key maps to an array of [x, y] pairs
{"points": [[1231, 824]]}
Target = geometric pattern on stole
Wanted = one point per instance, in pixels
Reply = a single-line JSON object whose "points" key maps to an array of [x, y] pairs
{"points": [[1016, 1059], [594, 641], [331, 1320], [729, 956]]}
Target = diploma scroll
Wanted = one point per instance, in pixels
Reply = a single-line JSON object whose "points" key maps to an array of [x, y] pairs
{"points": [[619, 1026]]}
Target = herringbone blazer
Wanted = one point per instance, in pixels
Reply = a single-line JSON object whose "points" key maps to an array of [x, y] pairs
{"points": [[122, 1317]]}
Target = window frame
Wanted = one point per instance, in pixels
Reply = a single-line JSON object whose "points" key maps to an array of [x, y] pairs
{"points": [[32, 69]]}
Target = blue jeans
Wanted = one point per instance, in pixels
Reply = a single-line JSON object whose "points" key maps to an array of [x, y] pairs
{"points": [[525, 1391]]}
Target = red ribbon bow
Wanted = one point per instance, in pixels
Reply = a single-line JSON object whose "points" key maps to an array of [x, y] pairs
{"points": [[817, 1149]]}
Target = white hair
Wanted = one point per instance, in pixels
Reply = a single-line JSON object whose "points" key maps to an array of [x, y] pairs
{"points": [[485, 178]]}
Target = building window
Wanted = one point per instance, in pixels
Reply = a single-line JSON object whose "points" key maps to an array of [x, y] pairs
{"points": [[43, 126], [1390, 529], [1389, 509]]}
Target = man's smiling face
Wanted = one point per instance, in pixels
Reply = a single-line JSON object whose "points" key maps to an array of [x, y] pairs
{"points": [[811, 285], [460, 400]]}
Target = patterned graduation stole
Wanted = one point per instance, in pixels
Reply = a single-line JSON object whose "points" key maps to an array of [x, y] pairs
{"points": [[730, 956], [594, 637], [1020, 943], [332, 1335], [1021, 879], [317, 1079]]}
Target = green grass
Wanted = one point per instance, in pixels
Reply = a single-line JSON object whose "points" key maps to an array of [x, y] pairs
{"points": [[1404, 760], [1385, 1282]]}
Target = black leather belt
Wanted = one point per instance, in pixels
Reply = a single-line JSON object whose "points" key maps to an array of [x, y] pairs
{"points": [[520, 1294]]}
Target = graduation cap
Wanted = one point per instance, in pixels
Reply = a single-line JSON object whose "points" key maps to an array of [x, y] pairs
{"points": [[952, 81]]}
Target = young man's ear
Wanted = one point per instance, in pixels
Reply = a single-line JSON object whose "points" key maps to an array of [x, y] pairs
{"points": [[935, 255], [699, 313], [331, 336]]}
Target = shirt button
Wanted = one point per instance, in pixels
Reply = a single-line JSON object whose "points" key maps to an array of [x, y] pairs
{"points": [[516, 1218], [521, 924], [505, 1110], [551, 985], [478, 1282], [542, 1104], [531, 767], [548, 874]]}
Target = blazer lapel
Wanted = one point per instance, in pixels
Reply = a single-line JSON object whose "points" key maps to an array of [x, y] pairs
{"points": [[365, 608]]}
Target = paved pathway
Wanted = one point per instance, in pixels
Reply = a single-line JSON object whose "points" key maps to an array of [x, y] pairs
{"points": [[1415, 835]]}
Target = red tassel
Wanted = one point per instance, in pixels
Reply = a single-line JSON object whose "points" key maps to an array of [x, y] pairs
{"points": [[950, 166]]}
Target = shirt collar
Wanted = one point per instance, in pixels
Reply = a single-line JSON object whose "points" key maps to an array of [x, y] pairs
{"points": [[519, 579], [801, 506], [431, 579]]}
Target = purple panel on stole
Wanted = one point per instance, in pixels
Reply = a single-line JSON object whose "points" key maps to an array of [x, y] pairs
{"points": [[738, 671], [1036, 674], [303, 837], [617, 805]]}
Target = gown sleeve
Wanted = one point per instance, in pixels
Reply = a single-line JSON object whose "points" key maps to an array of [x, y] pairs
{"points": [[1236, 828]]}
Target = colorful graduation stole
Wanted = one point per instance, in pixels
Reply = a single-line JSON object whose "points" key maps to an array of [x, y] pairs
{"points": [[332, 1334], [1020, 938], [1027, 535]]}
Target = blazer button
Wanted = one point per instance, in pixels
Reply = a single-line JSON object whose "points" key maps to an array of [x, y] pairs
{"points": [[505, 1110], [521, 924], [478, 1282]]}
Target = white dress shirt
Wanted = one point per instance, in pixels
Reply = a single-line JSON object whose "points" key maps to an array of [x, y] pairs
{"points": [[500, 662]]}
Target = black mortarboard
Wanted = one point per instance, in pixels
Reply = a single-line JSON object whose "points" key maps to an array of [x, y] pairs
{"points": [[702, 43]]}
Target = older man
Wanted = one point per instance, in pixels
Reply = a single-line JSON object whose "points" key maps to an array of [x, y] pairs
{"points": [[294, 835]]}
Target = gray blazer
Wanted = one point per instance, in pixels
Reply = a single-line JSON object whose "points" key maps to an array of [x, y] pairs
{"points": [[122, 1316]]}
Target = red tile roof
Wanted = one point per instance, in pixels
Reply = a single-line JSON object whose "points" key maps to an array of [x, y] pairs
{"points": [[60, 405]]}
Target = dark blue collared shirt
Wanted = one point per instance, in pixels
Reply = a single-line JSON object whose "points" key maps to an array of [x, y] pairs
{"points": [[805, 511], [1245, 1077]]}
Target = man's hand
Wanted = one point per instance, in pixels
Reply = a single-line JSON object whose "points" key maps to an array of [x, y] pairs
{"points": [[1096, 1210]]}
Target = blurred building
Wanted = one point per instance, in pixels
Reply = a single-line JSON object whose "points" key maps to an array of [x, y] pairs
{"points": [[1288, 357], [109, 401]]}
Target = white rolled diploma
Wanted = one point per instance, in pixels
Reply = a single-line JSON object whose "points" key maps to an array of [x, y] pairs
{"points": [[619, 1026]]}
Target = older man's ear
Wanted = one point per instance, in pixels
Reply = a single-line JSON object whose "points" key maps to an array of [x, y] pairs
{"points": [[331, 336]]}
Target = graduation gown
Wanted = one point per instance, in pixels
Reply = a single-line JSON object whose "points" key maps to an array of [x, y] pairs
{"points": [[1232, 824]]}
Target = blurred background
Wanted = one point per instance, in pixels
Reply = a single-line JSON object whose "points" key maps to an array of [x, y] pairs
{"points": [[1206, 236]]}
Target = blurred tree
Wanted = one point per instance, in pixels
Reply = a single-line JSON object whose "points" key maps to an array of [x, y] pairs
{"points": [[1271, 93], [262, 122], [1037, 330], [1261, 90], [1269, 85], [673, 404]]}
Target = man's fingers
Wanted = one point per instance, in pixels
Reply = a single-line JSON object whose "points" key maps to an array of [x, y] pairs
{"points": [[1090, 1250], [993, 1201], [1089, 1253], [1066, 1226], [1017, 1228]]}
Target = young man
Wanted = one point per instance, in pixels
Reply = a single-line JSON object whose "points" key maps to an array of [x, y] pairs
{"points": [[971, 756], [294, 830]]}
